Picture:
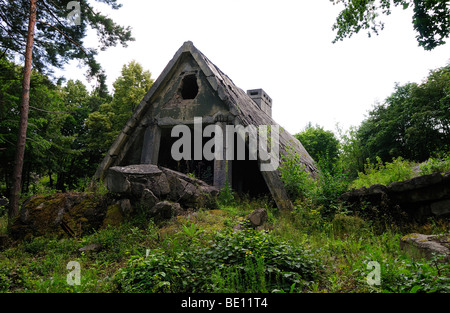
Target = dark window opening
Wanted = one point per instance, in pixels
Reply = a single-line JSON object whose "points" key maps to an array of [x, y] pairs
{"points": [[201, 169], [189, 87], [246, 175]]}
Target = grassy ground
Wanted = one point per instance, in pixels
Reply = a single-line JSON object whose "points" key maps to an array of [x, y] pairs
{"points": [[300, 251]]}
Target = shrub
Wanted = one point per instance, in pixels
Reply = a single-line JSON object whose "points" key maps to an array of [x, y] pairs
{"points": [[226, 197], [331, 184], [384, 174], [435, 165], [296, 180], [244, 261]]}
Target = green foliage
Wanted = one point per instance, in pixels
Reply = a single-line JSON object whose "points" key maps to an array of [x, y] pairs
{"points": [[331, 184], [246, 261], [226, 197], [191, 231], [69, 128], [384, 174], [52, 46], [247, 277], [324, 191], [303, 252], [48, 138], [435, 165], [351, 154], [430, 19], [129, 88], [296, 179], [321, 144], [412, 122], [405, 275]]}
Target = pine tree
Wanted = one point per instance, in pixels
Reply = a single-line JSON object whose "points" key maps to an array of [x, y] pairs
{"points": [[49, 34]]}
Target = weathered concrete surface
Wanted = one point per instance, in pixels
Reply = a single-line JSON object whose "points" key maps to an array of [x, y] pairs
{"points": [[159, 192], [164, 106], [151, 184], [420, 245], [419, 197]]}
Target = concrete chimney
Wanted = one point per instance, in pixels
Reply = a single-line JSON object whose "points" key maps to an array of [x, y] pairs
{"points": [[261, 98]]}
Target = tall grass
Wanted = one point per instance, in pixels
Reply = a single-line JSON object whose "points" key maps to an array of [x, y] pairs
{"points": [[384, 173]]}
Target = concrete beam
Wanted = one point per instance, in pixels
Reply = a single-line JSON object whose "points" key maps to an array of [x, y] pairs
{"points": [[150, 148]]}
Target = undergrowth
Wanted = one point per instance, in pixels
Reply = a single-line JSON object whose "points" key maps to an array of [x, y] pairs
{"points": [[319, 246], [301, 251]]}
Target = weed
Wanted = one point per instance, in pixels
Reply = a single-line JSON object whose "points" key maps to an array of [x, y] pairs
{"points": [[384, 174], [296, 179]]}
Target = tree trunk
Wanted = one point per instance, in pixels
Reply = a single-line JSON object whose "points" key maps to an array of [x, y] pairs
{"points": [[22, 136]]}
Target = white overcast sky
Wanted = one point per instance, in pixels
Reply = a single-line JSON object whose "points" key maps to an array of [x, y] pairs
{"points": [[281, 46]]}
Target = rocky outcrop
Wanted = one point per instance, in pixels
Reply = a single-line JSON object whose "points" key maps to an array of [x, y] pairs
{"points": [[417, 198], [59, 214], [147, 185], [420, 245]]}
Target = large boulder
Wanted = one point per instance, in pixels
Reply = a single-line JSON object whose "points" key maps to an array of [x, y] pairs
{"points": [[149, 184], [59, 214], [420, 245]]}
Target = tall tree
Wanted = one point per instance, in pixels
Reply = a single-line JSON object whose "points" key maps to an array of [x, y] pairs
{"points": [[46, 141], [430, 19], [55, 40], [321, 144], [129, 89], [412, 123], [24, 108]]}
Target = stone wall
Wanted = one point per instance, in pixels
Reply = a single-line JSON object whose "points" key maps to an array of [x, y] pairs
{"points": [[417, 198]]}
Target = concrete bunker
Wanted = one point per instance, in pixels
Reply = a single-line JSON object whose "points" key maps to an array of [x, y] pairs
{"points": [[192, 87]]}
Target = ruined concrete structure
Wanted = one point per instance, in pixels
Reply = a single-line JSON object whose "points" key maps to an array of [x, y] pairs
{"points": [[419, 198], [192, 86]]}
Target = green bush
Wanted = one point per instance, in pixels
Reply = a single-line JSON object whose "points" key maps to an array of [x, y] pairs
{"points": [[225, 196], [296, 179], [384, 174], [435, 165], [246, 261], [331, 184]]}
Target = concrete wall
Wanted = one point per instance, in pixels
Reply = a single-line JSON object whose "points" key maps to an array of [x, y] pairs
{"points": [[418, 198]]}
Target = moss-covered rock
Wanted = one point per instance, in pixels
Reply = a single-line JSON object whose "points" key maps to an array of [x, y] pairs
{"points": [[59, 214], [114, 216]]}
